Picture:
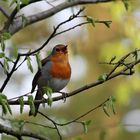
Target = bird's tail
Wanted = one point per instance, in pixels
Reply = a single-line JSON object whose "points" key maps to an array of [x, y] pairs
{"points": [[38, 96]]}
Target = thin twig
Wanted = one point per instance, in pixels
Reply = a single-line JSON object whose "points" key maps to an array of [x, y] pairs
{"points": [[13, 27], [53, 34], [79, 117], [4, 12], [18, 133], [26, 94], [9, 74], [111, 74], [54, 123], [49, 3], [121, 60]]}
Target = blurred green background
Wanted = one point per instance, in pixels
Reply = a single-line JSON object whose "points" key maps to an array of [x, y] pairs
{"points": [[88, 46]]}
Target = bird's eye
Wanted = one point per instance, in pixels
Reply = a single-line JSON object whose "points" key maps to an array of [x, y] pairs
{"points": [[57, 49]]}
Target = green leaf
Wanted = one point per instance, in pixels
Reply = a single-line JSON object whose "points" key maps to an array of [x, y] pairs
{"points": [[112, 100], [38, 60], [85, 125], [21, 101], [126, 4], [91, 20], [25, 2], [21, 123], [88, 122], [5, 105], [6, 35], [18, 4], [15, 51], [9, 59], [24, 21], [8, 107], [29, 64], [2, 55], [3, 96], [31, 104], [105, 110], [48, 91], [102, 77], [2, 44], [6, 65]]}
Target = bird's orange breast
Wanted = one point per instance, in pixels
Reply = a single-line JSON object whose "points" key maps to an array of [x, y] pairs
{"points": [[60, 68]]}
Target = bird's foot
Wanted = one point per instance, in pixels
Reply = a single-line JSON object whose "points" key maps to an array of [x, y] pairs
{"points": [[64, 94]]}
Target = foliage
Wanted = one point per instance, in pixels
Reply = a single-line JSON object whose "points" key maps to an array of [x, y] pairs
{"points": [[115, 62]]}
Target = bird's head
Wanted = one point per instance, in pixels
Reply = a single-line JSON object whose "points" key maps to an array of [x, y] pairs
{"points": [[60, 50]]}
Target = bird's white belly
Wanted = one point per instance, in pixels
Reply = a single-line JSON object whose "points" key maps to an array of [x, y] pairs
{"points": [[56, 84]]}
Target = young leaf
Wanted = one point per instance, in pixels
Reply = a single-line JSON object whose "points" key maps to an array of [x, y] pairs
{"points": [[8, 107], [91, 20], [126, 4], [21, 123], [3, 96], [38, 60], [112, 100], [2, 55], [21, 101], [29, 64], [15, 51], [25, 2], [6, 36], [2, 102], [31, 104], [102, 77], [85, 125], [9, 59], [18, 4], [88, 122], [105, 110], [48, 91], [6, 65], [5, 105], [24, 21], [2, 44]]}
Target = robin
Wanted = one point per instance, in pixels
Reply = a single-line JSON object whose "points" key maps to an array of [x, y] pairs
{"points": [[55, 73]]}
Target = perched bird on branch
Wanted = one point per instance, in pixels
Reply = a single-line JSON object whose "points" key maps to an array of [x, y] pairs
{"points": [[55, 73]]}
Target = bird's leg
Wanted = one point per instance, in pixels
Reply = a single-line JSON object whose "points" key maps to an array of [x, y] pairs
{"points": [[64, 94]]}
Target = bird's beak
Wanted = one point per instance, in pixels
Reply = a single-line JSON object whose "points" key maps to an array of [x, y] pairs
{"points": [[66, 47], [65, 50]]}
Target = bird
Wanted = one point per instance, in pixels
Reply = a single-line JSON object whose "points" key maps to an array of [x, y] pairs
{"points": [[55, 73]]}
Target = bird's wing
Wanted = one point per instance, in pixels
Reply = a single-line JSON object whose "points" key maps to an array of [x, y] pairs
{"points": [[38, 74]]}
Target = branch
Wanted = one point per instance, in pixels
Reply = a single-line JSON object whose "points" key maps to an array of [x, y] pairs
{"points": [[9, 74], [110, 76], [16, 25], [4, 12], [20, 133], [54, 123], [79, 117], [54, 33]]}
